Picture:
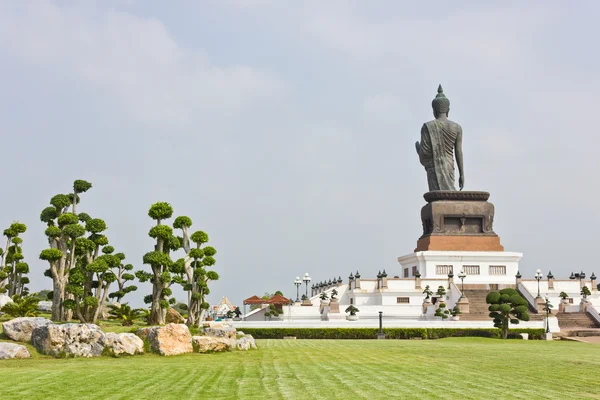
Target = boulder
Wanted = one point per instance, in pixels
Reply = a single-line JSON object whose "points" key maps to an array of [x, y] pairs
{"points": [[168, 340], [219, 329], [45, 306], [173, 317], [19, 329], [105, 309], [69, 340], [13, 350], [211, 344], [246, 342], [4, 299], [123, 344]]}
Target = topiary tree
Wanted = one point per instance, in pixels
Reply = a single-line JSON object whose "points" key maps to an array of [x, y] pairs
{"points": [[442, 311], [123, 274], [160, 263], [192, 270], [507, 307], [351, 309], [427, 292], [585, 292], [62, 230], [333, 294], [563, 295], [271, 311], [455, 311], [91, 278], [441, 291], [12, 267]]}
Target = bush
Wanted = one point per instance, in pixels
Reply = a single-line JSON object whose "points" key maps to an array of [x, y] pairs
{"points": [[390, 333]]}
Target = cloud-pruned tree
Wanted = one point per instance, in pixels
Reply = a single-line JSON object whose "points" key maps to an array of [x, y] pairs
{"points": [[124, 275], [160, 263], [507, 307], [12, 266], [63, 229], [192, 270]]}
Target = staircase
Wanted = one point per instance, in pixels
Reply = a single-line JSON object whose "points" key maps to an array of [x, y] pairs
{"points": [[576, 320], [478, 308]]}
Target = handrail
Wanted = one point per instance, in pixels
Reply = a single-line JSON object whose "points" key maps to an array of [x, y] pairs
{"points": [[527, 296], [593, 312], [454, 290]]}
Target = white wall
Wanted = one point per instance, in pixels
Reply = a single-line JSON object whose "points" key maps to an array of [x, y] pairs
{"points": [[427, 261]]}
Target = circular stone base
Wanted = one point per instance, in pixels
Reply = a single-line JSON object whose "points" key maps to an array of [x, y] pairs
{"points": [[454, 195]]}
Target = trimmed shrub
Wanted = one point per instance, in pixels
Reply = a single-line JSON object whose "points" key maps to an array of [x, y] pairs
{"points": [[390, 333]]}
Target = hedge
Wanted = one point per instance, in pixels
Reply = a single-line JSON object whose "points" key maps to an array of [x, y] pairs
{"points": [[390, 333]]}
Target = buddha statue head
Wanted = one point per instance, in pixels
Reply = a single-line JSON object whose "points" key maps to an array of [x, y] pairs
{"points": [[441, 104]]}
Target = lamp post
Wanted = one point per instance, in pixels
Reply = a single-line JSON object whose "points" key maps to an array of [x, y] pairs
{"points": [[462, 277], [548, 309], [380, 334], [298, 282], [538, 278], [306, 279]]}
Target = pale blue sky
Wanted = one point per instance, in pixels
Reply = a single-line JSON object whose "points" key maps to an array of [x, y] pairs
{"points": [[286, 129]]}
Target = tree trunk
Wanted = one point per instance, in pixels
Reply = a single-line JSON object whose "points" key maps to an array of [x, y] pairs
{"points": [[58, 298], [155, 311], [101, 304], [505, 328]]}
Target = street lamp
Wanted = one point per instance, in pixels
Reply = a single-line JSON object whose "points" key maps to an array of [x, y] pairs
{"points": [[462, 277], [538, 278], [298, 282], [306, 279]]}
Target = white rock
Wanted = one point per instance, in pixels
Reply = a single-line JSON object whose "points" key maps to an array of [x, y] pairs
{"points": [[220, 329], [13, 350], [45, 306], [70, 340], [19, 329], [168, 340], [210, 344], [123, 343], [4, 299], [246, 342]]}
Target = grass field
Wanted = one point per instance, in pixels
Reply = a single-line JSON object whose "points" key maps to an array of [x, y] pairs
{"points": [[457, 368]]}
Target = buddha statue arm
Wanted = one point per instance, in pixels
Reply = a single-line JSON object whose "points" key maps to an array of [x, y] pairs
{"points": [[424, 147], [459, 159]]}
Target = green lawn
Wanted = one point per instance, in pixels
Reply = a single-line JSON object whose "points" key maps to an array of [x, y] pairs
{"points": [[457, 368]]}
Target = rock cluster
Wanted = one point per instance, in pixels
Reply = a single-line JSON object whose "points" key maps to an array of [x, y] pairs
{"points": [[19, 329], [69, 340], [118, 344], [168, 340], [45, 306], [13, 350], [246, 342], [219, 329], [173, 317], [210, 344], [87, 340]]}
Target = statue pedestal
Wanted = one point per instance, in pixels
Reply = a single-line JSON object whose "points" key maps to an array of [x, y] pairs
{"points": [[463, 305], [458, 221], [334, 307]]}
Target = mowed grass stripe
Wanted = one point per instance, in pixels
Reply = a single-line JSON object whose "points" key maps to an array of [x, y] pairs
{"points": [[460, 368]]}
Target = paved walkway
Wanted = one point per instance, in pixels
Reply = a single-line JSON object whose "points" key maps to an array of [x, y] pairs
{"points": [[585, 339]]}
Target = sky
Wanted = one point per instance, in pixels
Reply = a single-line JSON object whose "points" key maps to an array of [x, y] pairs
{"points": [[286, 130]]}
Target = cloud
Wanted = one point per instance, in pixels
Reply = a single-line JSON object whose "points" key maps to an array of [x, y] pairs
{"points": [[134, 61]]}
